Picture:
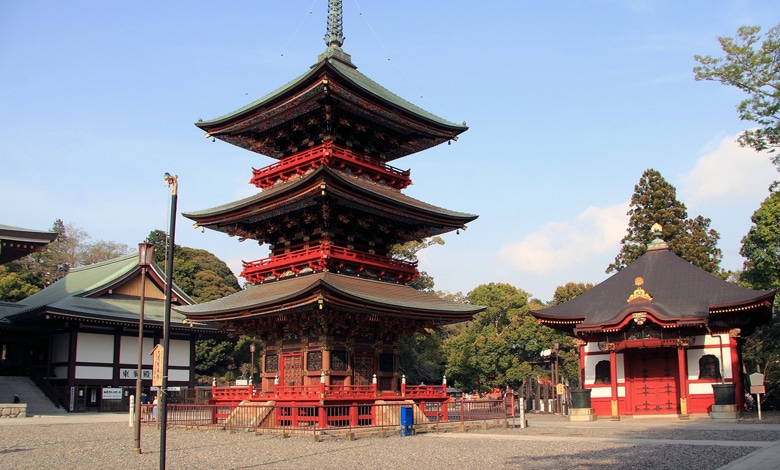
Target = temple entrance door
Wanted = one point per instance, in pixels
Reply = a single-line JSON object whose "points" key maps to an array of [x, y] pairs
{"points": [[364, 369], [292, 370], [651, 381]]}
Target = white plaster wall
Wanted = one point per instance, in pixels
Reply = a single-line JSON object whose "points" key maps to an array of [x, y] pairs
{"points": [[592, 347], [180, 353], [701, 388], [606, 392], [592, 360], [712, 346], [590, 366], [60, 347], [94, 372], [177, 375], [61, 372], [93, 347], [128, 350]]}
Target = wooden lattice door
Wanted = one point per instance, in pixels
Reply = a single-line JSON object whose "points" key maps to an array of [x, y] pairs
{"points": [[652, 378], [292, 370], [364, 369]]}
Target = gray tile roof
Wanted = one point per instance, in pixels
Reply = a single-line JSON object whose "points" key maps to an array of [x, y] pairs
{"points": [[680, 291], [291, 292]]}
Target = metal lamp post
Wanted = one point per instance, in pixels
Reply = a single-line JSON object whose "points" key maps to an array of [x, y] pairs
{"points": [[252, 365], [171, 181], [144, 261]]}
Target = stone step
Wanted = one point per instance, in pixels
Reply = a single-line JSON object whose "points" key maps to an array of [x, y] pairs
{"points": [[38, 404]]}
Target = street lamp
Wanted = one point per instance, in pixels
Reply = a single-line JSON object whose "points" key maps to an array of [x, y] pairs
{"points": [[252, 365], [144, 261], [173, 182]]}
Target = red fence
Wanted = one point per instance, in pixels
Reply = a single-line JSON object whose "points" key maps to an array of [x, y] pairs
{"points": [[330, 417], [317, 391]]}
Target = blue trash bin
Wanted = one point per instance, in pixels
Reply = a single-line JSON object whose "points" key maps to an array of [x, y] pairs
{"points": [[407, 421]]}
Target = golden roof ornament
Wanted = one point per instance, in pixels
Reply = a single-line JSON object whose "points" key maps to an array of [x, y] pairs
{"points": [[639, 293], [658, 243]]}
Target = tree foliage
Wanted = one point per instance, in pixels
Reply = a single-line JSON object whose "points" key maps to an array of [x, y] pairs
{"points": [[199, 273], [752, 66], [655, 201], [761, 247], [761, 270], [72, 248], [408, 252], [502, 345], [569, 291], [421, 357]]}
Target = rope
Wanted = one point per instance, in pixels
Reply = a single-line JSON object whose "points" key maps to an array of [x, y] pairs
{"points": [[300, 25]]}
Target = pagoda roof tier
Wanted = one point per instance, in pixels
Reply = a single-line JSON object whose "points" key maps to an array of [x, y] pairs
{"points": [[324, 291], [663, 288], [18, 242], [332, 102], [325, 194]]}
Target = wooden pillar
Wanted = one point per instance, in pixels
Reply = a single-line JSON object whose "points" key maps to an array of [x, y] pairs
{"points": [[613, 383], [736, 368], [682, 365]]}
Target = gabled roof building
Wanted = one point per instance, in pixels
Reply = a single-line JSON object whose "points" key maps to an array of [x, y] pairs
{"points": [[80, 334]]}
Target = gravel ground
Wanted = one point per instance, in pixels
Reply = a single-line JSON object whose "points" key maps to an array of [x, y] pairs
{"points": [[549, 442]]}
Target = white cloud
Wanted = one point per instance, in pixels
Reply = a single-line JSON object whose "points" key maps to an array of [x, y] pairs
{"points": [[559, 246], [729, 174]]}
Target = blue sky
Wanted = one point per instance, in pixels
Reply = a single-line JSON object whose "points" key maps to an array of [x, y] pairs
{"points": [[567, 103]]}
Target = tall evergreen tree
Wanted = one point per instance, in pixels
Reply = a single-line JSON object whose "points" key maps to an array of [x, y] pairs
{"points": [[655, 200], [761, 270], [761, 247]]}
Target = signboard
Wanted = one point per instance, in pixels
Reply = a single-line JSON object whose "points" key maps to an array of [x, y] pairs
{"points": [[756, 379], [757, 389], [560, 389], [112, 393], [146, 374], [157, 366]]}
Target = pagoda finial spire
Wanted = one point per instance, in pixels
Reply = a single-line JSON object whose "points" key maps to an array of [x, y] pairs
{"points": [[335, 34], [334, 37]]}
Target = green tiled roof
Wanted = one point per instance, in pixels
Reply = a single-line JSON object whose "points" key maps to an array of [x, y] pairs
{"points": [[352, 76], [69, 297], [358, 184]]}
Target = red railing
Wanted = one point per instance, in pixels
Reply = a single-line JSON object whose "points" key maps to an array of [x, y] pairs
{"points": [[316, 391], [332, 156], [314, 417], [333, 257]]}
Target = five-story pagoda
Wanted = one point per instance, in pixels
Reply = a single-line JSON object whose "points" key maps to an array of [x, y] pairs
{"points": [[330, 302]]}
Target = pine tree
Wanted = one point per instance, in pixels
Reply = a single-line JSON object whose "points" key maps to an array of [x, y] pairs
{"points": [[655, 200]]}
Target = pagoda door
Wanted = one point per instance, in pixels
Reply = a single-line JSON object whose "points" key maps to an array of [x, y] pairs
{"points": [[292, 370], [364, 369], [651, 379]]}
